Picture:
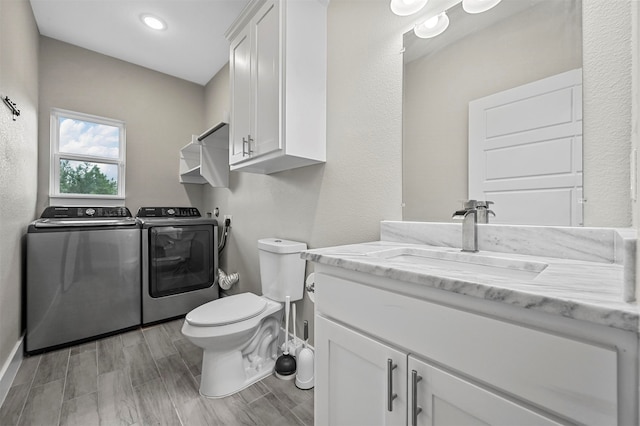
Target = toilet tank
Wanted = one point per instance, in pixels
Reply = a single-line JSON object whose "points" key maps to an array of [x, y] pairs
{"points": [[281, 268]]}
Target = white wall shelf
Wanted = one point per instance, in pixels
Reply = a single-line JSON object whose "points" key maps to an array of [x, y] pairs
{"points": [[206, 158]]}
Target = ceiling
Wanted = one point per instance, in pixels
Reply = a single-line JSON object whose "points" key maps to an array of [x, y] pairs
{"points": [[193, 46]]}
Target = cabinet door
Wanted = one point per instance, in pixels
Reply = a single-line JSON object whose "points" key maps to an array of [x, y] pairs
{"points": [[354, 381], [440, 398], [266, 68], [241, 98]]}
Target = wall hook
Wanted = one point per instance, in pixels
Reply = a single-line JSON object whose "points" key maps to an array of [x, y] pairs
{"points": [[12, 106]]}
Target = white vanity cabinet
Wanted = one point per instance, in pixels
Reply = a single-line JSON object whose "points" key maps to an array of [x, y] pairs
{"points": [[437, 397], [278, 86], [355, 390], [471, 367], [372, 383]]}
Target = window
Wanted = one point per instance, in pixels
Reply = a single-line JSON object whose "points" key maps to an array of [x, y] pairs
{"points": [[87, 157]]}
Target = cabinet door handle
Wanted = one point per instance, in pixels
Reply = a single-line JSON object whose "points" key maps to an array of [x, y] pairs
{"points": [[390, 395], [246, 141], [415, 410]]}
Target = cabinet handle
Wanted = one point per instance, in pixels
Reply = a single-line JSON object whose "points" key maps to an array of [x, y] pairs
{"points": [[247, 142], [390, 395], [415, 410]]}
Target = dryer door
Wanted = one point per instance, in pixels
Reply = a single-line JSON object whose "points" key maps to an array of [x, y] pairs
{"points": [[181, 259]]}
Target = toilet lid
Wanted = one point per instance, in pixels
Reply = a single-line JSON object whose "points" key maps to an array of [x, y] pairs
{"points": [[227, 310]]}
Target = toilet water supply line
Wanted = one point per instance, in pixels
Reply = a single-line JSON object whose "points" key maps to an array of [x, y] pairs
{"points": [[225, 281]]}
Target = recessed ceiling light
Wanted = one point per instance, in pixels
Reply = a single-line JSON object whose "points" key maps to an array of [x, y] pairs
{"points": [[153, 22]]}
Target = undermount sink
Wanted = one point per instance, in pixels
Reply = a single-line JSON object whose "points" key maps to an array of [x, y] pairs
{"points": [[463, 262]]}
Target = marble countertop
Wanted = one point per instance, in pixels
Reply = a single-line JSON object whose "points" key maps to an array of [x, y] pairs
{"points": [[579, 289]]}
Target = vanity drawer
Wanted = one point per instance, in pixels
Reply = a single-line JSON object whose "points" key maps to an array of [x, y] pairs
{"points": [[571, 378]]}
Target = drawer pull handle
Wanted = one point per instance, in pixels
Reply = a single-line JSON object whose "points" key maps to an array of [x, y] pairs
{"points": [[415, 410], [390, 395]]}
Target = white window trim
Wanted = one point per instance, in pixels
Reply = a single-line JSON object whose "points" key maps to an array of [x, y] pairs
{"points": [[58, 198]]}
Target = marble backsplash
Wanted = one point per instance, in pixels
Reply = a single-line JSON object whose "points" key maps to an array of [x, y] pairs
{"points": [[604, 245]]}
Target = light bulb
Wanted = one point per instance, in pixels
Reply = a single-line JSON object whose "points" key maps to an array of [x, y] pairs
{"points": [[478, 6], [432, 27], [407, 7], [431, 22]]}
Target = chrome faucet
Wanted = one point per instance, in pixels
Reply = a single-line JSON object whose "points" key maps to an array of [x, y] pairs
{"points": [[473, 212], [484, 211], [469, 217]]}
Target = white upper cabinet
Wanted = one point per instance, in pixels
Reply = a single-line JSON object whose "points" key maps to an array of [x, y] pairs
{"points": [[241, 96], [278, 86]]}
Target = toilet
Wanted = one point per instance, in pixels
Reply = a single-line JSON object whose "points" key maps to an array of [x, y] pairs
{"points": [[239, 333]]}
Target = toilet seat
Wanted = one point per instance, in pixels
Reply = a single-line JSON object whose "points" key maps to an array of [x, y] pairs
{"points": [[227, 310]]}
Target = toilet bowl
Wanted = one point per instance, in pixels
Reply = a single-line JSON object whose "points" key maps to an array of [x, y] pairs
{"points": [[239, 346], [239, 333]]}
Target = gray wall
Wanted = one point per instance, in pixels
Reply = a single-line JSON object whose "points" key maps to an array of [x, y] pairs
{"points": [[608, 73], [344, 200], [161, 113], [18, 163]]}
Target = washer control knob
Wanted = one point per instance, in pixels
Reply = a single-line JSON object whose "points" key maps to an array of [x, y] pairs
{"points": [[90, 212]]}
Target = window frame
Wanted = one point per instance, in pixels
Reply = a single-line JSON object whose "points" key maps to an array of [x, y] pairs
{"points": [[57, 197]]}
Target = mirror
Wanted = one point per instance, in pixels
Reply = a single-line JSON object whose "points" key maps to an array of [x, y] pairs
{"points": [[510, 46]]}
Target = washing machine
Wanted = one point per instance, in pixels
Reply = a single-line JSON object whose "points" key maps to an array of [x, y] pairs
{"points": [[179, 250], [82, 275]]}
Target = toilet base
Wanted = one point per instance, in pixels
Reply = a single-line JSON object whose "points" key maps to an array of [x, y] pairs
{"points": [[212, 388], [227, 372]]}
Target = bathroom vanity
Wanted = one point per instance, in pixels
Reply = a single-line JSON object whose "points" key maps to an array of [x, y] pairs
{"points": [[532, 329]]}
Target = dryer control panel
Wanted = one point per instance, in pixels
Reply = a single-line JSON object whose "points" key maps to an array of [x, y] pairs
{"points": [[168, 212]]}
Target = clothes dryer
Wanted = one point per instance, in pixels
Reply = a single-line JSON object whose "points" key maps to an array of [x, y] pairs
{"points": [[179, 261]]}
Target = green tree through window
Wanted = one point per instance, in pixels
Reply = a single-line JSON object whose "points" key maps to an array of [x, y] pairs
{"points": [[85, 178]]}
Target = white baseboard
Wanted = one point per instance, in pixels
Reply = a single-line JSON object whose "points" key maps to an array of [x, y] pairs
{"points": [[10, 369]]}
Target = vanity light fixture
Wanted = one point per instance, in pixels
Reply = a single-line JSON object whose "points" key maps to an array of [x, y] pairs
{"points": [[153, 22], [478, 6], [407, 7], [437, 24], [433, 26]]}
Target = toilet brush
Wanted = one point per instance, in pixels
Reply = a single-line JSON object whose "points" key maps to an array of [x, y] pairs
{"points": [[286, 364], [295, 340]]}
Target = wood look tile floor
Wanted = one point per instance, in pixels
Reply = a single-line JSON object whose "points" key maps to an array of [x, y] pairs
{"points": [[147, 376]]}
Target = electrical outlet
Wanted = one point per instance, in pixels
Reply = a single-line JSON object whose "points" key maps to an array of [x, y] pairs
{"points": [[228, 216]]}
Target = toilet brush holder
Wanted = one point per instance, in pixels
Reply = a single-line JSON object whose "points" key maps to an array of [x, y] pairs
{"points": [[304, 376]]}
